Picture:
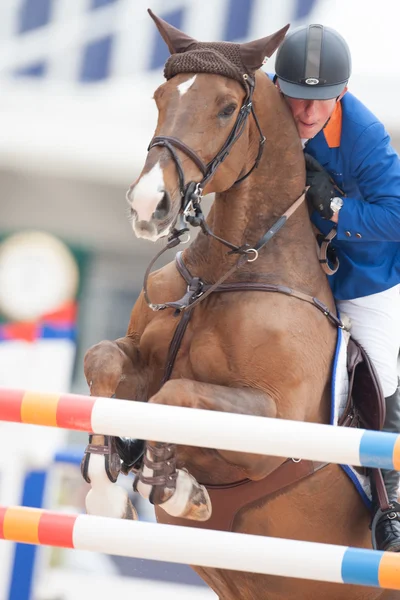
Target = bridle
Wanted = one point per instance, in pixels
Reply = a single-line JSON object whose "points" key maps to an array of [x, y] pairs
{"points": [[192, 191], [191, 195]]}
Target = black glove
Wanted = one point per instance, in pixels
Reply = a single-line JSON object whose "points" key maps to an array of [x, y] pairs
{"points": [[322, 187]]}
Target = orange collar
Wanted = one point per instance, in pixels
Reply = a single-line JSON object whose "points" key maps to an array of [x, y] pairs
{"points": [[333, 129]]}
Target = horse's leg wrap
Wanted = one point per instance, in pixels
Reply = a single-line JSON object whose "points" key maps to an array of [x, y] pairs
{"points": [[100, 468], [174, 490], [112, 461]]}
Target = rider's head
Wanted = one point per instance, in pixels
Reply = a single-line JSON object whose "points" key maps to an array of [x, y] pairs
{"points": [[313, 66]]}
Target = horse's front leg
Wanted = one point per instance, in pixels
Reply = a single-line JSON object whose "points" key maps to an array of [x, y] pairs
{"points": [[175, 490], [111, 369]]}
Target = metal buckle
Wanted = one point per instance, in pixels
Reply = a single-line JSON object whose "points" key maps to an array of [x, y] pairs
{"points": [[248, 251], [196, 196], [157, 307], [199, 291], [186, 240], [189, 208], [198, 192]]}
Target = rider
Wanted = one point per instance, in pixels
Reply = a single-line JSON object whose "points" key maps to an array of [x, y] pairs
{"points": [[313, 66]]}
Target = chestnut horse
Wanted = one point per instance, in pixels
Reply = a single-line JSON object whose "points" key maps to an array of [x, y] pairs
{"points": [[255, 350]]}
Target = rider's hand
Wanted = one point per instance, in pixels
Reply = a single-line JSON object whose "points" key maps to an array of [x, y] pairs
{"points": [[321, 187]]}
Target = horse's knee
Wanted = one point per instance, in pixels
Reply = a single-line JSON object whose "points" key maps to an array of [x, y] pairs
{"points": [[103, 367]]}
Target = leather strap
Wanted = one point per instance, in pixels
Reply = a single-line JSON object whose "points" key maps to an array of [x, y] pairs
{"points": [[229, 499], [175, 344], [380, 489], [245, 256], [246, 253], [241, 286], [280, 222], [197, 290], [111, 457], [160, 141], [323, 253]]}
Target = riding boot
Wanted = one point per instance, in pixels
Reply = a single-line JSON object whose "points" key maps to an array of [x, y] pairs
{"points": [[387, 530]]}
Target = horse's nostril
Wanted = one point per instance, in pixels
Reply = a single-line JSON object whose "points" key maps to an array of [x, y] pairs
{"points": [[163, 207], [133, 213]]}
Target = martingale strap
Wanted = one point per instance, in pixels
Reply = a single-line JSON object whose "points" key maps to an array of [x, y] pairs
{"points": [[198, 288]]}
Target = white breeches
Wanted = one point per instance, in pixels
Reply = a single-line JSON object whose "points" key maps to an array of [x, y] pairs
{"points": [[376, 326]]}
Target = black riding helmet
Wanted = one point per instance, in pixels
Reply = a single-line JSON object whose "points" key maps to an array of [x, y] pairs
{"points": [[313, 63]]}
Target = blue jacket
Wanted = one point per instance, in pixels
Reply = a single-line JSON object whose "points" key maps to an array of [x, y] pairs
{"points": [[355, 149]]}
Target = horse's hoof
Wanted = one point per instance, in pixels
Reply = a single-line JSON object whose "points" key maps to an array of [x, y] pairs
{"points": [[199, 507], [112, 501], [190, 499]]}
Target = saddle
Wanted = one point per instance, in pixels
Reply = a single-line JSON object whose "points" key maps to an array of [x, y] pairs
{"points": [[365, 407]]}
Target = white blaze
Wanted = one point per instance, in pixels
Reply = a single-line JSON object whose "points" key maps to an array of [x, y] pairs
{"points": [[147, 193], [185, 85]]}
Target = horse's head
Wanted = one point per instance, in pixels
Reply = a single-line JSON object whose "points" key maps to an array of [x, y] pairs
{"points": [[202, 130]]}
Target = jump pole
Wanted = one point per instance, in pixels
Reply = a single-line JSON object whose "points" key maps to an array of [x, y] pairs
{"points": [[203, 428], [202, 547]]}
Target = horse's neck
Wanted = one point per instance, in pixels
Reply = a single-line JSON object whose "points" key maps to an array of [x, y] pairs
{"points": [[243, 214]]}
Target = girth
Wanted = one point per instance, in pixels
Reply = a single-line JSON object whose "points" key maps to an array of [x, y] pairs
{"points": [[228, 499]]}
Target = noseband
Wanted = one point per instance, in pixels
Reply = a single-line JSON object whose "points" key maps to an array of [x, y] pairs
{"points": [[192, 190]]}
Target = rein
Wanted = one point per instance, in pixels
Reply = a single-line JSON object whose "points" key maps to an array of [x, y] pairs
{"points": [[246, 252]]}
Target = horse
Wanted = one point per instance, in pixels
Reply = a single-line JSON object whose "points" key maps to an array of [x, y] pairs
{"points": [[265, 348]]}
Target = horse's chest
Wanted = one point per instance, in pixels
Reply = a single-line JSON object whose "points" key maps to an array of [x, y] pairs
{"points": [[196, 348], [202, 357], [209, 349]]}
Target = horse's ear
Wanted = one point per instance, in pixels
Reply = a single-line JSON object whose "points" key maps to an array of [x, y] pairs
{"points": [[176, 40], [254, 53]]}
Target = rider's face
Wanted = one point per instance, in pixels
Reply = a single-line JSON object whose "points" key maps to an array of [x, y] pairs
{"points": [[310, 115]]}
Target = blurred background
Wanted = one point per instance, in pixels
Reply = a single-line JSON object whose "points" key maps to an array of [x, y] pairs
{"points": [[76, 115]]}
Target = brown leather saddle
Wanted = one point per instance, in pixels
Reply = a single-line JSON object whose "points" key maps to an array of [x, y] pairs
{"points": [[365, 406]]}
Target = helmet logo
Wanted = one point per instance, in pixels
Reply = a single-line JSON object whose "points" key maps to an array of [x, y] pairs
{"points": [[312, 81]]}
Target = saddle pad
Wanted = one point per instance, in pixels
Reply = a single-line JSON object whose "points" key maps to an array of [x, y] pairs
{"points": [[339, 392]]}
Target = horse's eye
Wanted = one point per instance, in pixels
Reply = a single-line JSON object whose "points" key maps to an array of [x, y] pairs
{"points": [[227, 111]]}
